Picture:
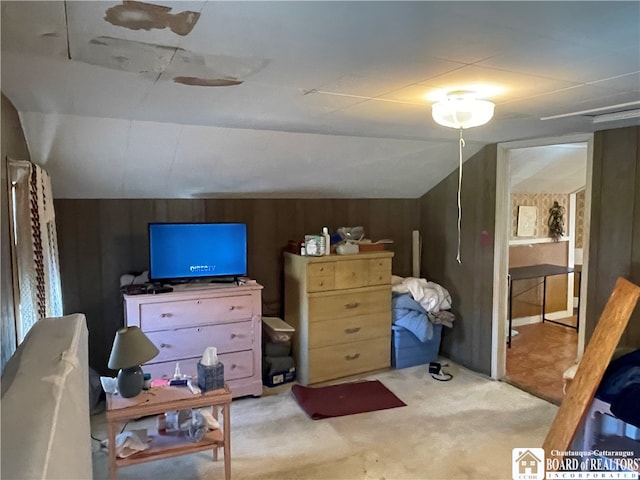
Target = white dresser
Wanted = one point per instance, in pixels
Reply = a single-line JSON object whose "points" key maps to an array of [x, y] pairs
{"points": [[184, 322], [340, 306]]}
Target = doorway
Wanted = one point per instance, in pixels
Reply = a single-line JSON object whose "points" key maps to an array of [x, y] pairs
{"points": [[531, 176]]}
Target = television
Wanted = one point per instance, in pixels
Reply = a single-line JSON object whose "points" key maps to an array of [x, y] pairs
{"points": [[189, 252]]}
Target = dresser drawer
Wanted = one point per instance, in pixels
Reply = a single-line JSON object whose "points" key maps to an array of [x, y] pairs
{"points": [[349, 329], [182, 313], [349, 304], [379, 271], [343, 360], [351, 274], [320, 284], [320, 277], [323, 269], [188, 342], [236, 365]]}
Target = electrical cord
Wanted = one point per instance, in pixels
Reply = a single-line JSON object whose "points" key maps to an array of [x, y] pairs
{"points": [[436, 372], [104, 440], [461, 146]]}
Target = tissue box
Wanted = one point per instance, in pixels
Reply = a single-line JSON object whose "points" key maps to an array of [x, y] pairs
{"points": [[210, 377]]}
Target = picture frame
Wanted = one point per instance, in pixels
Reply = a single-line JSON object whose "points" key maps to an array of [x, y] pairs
{"points": [[527, 218]]}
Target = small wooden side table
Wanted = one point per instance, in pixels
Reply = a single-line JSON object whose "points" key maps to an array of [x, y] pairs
{"points": [[166, 399]]}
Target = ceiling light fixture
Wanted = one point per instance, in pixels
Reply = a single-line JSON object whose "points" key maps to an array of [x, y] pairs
{"points": [[462, 109]]}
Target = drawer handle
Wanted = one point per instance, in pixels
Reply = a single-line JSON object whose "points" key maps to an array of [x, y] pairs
{"points": [[322, 284], [351, 305], [352, 330], [233, 366], [233, 335], [233, 307], [164, 345], [352, 357], [165, 315]]}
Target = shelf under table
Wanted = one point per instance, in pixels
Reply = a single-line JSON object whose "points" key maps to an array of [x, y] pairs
{"points": [[171, 445], [162, 400]]}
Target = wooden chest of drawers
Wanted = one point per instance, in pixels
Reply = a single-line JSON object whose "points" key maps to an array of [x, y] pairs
{"points": [[184, 322], [340, 306]]}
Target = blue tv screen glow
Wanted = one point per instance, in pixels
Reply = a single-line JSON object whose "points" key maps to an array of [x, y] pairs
{"points": [[187, 251]]}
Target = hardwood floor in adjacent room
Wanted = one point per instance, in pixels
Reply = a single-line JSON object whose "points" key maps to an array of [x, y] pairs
{"points": [[539, 355]]}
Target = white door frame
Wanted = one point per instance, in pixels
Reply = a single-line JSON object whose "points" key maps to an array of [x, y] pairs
{"points": [[501, 245]]}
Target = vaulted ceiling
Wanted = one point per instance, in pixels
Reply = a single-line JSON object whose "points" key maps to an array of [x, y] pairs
{"points": [[301, 99]]}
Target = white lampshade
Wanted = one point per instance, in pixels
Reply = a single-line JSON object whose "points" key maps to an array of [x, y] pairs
{"points": [[462, 110]]}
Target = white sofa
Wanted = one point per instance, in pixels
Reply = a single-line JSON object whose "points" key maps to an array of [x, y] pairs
{"points": [[45, 403]]}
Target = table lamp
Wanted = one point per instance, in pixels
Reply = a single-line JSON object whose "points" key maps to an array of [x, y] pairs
{"points": [[131, 348]]}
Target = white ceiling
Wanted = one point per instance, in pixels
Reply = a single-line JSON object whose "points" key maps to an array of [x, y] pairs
{"points": [[558, 168], [102, 112]]}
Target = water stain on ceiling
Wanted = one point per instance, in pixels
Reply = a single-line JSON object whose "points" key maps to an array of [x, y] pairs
{"points": [[146, 16], [161, 62]]}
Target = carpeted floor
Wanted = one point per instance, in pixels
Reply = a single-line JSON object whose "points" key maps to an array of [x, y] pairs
{"points": [[462, 429]]}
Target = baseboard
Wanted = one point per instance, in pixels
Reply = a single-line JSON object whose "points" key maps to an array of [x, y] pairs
{"points": [[559, 315], [520, 321]]}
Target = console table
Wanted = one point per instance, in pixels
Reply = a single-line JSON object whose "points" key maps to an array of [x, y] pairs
{"points": [[540, 271], [165, 399]]}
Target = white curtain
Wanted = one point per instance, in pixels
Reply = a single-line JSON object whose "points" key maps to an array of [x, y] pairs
{"points": [[35, 246]]}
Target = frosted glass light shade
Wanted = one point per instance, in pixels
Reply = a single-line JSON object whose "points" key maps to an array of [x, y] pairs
{"points": [[462, 111]]}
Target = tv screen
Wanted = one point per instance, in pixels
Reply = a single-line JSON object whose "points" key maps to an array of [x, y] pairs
{"points": [[190, 251]]}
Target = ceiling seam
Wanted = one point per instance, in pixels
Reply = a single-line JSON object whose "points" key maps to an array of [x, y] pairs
{"points": [[66, 27]]}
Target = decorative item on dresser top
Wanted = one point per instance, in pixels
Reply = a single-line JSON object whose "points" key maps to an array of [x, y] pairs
{"points": [[340, 308], [183, 323]]}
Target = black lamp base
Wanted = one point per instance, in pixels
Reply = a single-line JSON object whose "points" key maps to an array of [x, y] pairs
{"points": [[130, 381]]}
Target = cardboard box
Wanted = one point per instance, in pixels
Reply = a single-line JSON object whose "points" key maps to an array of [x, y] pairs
{"points": [[280, 378]]}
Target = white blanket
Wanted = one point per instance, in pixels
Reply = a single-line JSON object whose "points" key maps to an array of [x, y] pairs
{"points": [[431, 296]]}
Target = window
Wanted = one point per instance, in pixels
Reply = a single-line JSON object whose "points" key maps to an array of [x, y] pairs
{"points": [[35, 268]]}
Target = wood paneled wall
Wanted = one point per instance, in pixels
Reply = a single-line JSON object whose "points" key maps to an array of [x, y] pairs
{"points": [[614, 241], [471, 282], [15, 147], [100, 240]]}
